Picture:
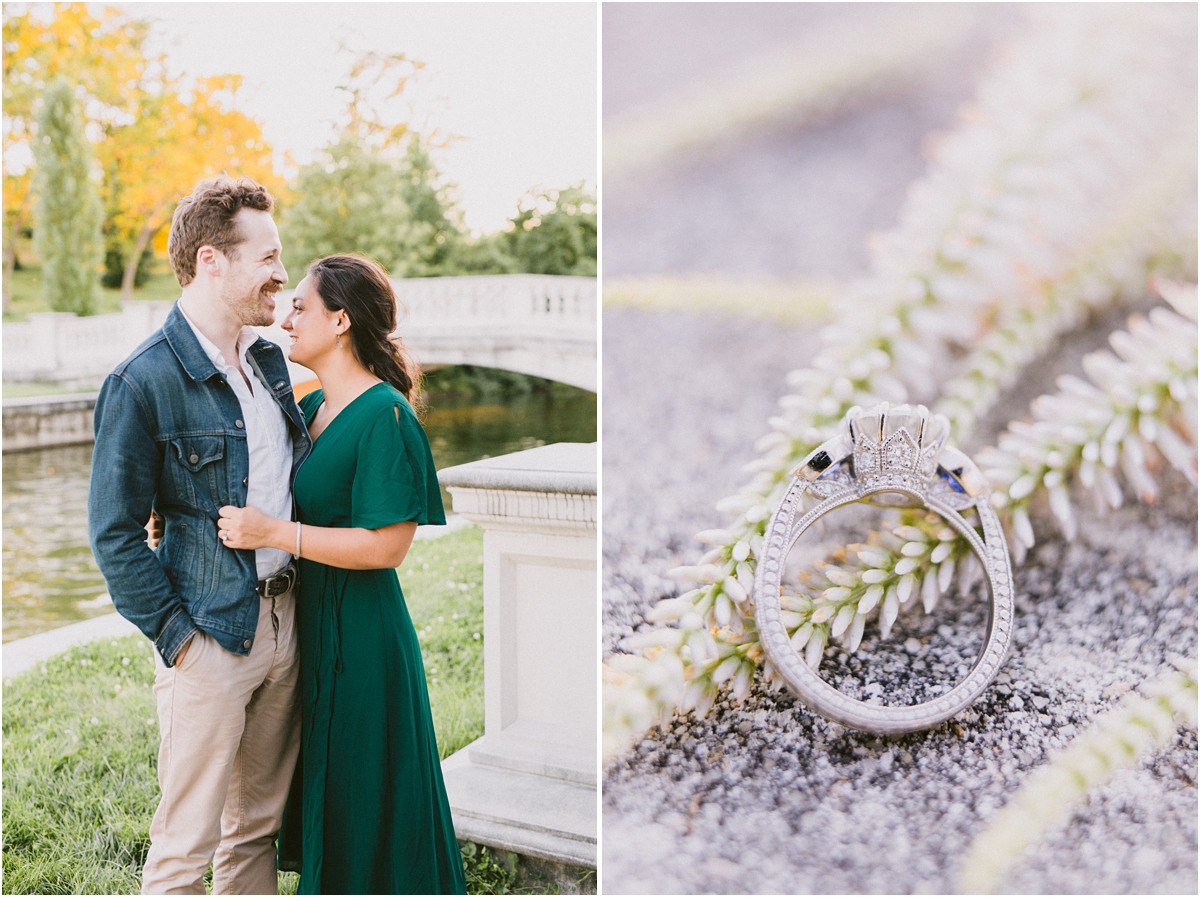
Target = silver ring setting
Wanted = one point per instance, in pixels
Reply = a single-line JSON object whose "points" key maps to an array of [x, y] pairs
{"points": [[890, 456]]}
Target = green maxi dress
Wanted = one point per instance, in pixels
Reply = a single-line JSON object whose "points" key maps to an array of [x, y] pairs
{"points": [[367, 812]]}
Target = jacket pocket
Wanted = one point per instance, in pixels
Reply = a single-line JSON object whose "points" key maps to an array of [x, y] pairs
{"points": [[198, 469]]}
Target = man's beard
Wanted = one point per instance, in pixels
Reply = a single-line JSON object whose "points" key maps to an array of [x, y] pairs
{"points": [[249, 306]]}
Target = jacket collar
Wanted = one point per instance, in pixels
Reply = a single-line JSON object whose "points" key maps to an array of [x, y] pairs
{"points": [[188, 350]]}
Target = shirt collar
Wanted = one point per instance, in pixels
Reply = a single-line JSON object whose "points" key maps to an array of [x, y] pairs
{"points": [[245, 339]]}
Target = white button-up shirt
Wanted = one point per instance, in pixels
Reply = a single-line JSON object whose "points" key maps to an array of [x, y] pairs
{"points": [[270, 444]]}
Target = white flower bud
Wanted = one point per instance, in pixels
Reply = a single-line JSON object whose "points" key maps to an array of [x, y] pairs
{"points": [[888, 613], [1060, 504], [741, 683], [716, 537], [758, 513], [1022, 487], [870, 598], [738, 504], [838, 576], [801, 636], [726, 669], [874, 557], [1022, 528], [842, 620], [1109, 487], [814, 649], [854, 639], [723, 610], [702, 573], [734, 589], [669, 609], [945, 575], [741, 550]]}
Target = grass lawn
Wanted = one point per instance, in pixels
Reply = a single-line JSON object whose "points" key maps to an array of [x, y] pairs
{"points": [[81, 739], [24, 390], [27, 293]]}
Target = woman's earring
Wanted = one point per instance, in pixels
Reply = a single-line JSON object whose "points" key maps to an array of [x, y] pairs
{"points": [[339, 341]]}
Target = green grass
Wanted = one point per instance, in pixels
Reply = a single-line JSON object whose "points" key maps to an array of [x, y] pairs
{"points": [[442, 581], [27, 293], [81, 739]]}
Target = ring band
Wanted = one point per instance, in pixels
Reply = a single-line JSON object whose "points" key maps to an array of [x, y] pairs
{"points": [[893, 456]]}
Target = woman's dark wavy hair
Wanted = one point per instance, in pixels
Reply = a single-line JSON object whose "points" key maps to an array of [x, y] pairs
{"points": [[360, 287]]}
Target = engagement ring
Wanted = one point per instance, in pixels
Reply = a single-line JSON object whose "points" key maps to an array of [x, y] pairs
{"points": [[893, 457]]}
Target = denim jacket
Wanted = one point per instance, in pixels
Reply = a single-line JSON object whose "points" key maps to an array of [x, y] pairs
{"points": [[169, 435]]}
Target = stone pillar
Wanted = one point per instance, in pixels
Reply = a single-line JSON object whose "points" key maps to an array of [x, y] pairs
{"points": [[529, 784]]}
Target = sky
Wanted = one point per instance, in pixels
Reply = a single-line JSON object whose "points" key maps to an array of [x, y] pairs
{"points": [[516, 81]]}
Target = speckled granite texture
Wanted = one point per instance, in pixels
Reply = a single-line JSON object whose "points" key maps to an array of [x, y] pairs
{"points": [[765, 797]]}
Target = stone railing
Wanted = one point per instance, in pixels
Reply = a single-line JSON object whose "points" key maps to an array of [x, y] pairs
{"points": [[529, 784], [62, 347], [540, 301], [533, 323]]}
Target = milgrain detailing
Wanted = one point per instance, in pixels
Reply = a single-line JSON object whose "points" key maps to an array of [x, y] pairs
{"points": [[894, 456]]}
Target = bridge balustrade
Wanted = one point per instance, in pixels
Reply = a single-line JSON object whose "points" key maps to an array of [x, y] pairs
{"points": [[543, 325]]}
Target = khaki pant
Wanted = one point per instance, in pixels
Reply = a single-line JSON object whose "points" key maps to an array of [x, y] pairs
{"points": [[230, 737]]}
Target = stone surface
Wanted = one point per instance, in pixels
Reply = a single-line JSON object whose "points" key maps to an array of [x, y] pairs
{"points": [[529, 784], [562, 467], [23, 654], [42, 421], [764, 796]]}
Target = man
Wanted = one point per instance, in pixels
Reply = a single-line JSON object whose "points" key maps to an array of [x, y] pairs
{"points": [[202, 415]]}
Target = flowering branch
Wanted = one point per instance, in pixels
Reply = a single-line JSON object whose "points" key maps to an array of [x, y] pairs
{"points": [[1117, 739], [1139, 410], [984, 241]]}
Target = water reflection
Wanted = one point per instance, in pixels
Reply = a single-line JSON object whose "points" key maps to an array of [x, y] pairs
{"points": [[49, 573], [465, 429], [51, 579]]}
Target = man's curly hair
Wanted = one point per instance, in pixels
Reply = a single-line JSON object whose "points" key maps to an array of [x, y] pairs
{"points": [[206, 218]]}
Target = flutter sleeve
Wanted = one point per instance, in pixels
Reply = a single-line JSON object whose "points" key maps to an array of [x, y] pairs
{"points": [[310, 403], [395, 480]]}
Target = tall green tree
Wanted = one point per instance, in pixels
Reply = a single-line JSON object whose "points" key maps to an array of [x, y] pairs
{"points": [[67, 210], [355, 198], [555, 233]]}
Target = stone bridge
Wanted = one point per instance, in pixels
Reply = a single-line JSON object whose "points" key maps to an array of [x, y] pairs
{"points": [[535, 324]]}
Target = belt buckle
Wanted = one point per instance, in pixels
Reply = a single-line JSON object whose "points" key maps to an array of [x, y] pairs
{"points": [[285, 578]]}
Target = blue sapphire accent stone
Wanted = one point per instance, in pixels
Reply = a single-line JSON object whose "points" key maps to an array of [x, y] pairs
{"points": [[951, 481]]}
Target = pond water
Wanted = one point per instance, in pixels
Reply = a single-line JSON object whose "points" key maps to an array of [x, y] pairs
{"points": [[50, 578]]}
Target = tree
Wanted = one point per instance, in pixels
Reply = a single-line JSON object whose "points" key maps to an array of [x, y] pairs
{"points": [[177, 138], [554, 232], [67, 209], [155, 136], [102, 54], [375, 188], [354, 198]]}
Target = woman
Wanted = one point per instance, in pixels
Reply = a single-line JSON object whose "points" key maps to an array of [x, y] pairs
{"points": [[368, 810]]}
